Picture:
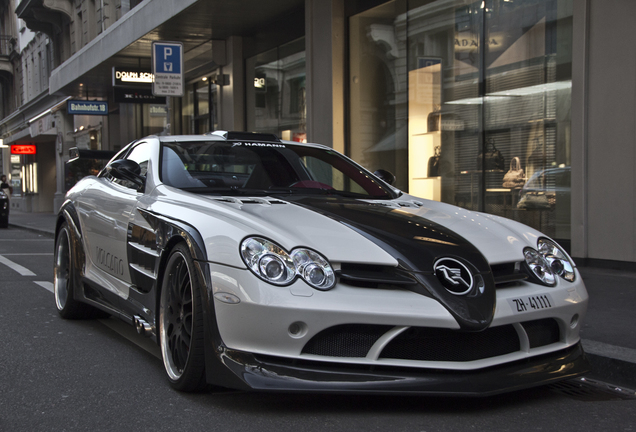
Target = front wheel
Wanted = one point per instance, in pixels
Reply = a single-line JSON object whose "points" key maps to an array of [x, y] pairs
{"points": [[181, 323]]}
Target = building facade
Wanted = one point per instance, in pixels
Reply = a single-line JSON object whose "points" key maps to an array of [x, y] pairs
{"points": [[518, 108]]}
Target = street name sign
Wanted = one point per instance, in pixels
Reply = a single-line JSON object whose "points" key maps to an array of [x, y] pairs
{"points": [[167, 67], [83, 107]]}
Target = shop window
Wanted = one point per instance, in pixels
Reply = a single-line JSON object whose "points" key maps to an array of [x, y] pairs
{"points": [[16, 173], [468, 103], [29, 174], [276, 92], [200, 108]]}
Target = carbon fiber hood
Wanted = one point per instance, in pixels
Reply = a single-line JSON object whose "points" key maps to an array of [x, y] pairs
{"points": [[418, 244]]}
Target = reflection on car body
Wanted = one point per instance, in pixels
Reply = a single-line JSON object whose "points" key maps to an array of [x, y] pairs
{"points": [[257, 263]]}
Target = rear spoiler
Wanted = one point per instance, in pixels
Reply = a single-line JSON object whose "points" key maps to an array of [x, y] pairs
{"points": [[76, 153]]}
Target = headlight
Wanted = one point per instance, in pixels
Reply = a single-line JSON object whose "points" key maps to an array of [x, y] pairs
{"points": [[273, 264], [539, 267], [559, 261]]}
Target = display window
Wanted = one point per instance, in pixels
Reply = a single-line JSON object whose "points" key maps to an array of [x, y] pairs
{"points": [[468, 103], [276, 92], [200, 106]]}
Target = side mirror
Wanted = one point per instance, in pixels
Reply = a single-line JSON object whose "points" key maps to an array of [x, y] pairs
{"points": [[126, 169], [385, 175]]}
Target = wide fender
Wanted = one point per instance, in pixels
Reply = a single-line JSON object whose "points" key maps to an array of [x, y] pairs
{"points": [[169, 232]]}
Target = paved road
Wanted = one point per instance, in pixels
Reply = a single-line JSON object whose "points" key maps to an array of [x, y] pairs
{"points": [[100, 375]]}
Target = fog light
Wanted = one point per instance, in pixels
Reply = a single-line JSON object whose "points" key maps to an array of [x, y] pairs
{"points": [[297, 329], [574, 321]]}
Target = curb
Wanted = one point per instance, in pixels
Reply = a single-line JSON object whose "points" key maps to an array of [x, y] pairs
{"points": [[614, 371], [611, 363]]}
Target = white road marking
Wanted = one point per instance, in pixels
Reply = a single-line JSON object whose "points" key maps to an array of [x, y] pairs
{"points": [[26, 240], [46, 285], [28, 254], [17, 267]]}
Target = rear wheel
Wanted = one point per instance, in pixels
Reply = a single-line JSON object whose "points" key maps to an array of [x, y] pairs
{"points": [[64, 280], [181, 323]]}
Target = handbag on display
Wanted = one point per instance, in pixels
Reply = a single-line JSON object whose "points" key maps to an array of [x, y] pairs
{"points": [[515, 177], [434, 163], [534, 200], [492, 159], [434, 119]]}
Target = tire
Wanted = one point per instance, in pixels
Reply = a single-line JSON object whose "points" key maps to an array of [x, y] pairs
{"points": [[181, 323], [64, 279]]}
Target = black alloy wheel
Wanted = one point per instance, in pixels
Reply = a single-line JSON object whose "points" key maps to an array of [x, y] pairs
{"points": [[181, 323]]}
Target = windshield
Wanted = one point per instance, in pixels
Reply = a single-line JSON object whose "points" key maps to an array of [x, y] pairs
{"points": [[242, 168]]}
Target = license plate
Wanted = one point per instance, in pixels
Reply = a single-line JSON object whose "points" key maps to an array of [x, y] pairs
{"points": [[531, 303]]}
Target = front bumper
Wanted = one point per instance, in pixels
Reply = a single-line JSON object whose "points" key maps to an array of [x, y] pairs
{"points": [[268, 373], [268, 339]]}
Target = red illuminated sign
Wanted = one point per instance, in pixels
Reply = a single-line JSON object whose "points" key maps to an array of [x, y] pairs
{"points": [[23, 149]]}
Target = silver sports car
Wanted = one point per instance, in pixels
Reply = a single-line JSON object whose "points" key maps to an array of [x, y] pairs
{"points": [[257, 263]]}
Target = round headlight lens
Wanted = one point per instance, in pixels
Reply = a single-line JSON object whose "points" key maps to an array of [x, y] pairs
{"points": [[268, 260], [559, 261], [272, 267], [539, 267], [314, 268], [314, 274], [273, 264]]}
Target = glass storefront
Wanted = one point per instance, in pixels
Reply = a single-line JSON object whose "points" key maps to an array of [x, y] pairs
{"points": [[275, 90], [468, 103], [200, 106]]}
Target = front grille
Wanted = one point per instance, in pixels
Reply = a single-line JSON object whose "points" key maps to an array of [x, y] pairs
{"points": [[430, 344], [348, 340], [371, 276], [542, 332]]}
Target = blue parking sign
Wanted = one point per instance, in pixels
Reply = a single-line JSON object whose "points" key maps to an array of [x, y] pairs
{"points": [[167, 57], [167, 66]]}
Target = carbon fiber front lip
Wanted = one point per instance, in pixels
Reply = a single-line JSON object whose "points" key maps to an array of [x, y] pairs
{"points": [[275, 374]]}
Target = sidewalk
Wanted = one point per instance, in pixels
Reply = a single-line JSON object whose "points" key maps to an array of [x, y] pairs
{"points": [[609, 329]]}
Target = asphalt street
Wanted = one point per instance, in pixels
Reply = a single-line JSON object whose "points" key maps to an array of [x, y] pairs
{"points": [[100, 375]]}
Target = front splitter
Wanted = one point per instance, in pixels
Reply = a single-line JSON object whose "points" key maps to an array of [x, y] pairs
{"points": [[275, 374]]}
